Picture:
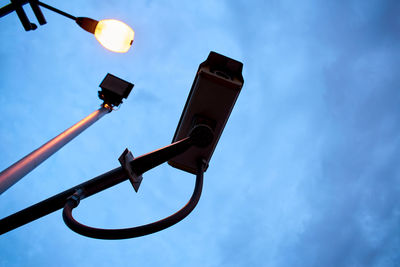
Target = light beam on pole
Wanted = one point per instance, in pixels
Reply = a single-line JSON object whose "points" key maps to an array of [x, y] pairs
{"points": [[15, 172]]}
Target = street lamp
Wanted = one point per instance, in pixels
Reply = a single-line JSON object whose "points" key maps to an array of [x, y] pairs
{"points": [[113, 89], [210, 102], [112, 34]]}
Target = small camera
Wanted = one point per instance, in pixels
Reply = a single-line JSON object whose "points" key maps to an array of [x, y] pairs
{"points": [[114, 89]]}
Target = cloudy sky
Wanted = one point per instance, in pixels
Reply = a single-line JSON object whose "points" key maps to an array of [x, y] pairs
{"points": [[306, 172]]}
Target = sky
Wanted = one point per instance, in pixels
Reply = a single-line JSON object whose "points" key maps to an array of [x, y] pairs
{"points": [[306, 171]]}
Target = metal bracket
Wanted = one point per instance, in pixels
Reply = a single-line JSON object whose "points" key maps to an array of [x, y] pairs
{"points": [[125, 159]]}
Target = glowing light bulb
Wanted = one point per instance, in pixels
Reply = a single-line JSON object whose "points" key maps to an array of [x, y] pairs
{"points": [[114, 35]]}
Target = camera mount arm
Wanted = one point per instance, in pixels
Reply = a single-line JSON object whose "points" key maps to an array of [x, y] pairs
{"points": [[198, 137], [137, 231]]}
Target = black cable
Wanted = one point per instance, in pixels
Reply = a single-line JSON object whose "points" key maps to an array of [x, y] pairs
{"points": [[142, 230]]}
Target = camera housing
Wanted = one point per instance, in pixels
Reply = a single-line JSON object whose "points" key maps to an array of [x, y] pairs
{"points": [[113, 89], [212, 96]]}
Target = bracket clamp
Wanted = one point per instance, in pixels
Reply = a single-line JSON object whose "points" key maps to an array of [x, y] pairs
{"points": [[125, 159]]}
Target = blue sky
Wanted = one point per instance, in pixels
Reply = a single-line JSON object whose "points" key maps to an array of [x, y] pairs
{"points": [[305, 174]]}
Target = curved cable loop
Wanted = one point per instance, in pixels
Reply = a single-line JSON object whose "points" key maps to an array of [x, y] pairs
{"points": [[137, 231]]}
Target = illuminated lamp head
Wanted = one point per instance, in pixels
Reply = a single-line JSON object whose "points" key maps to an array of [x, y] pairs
{"points": [[112, 34]]}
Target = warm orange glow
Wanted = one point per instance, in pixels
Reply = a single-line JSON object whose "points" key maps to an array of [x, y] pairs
{"points": [[114, 35]]}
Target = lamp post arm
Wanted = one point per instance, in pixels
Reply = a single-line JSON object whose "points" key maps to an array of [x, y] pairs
{"points": [[10, 8], [65, 14]]}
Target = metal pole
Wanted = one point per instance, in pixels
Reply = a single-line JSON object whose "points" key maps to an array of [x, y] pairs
{"points": [[15, 172]]}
